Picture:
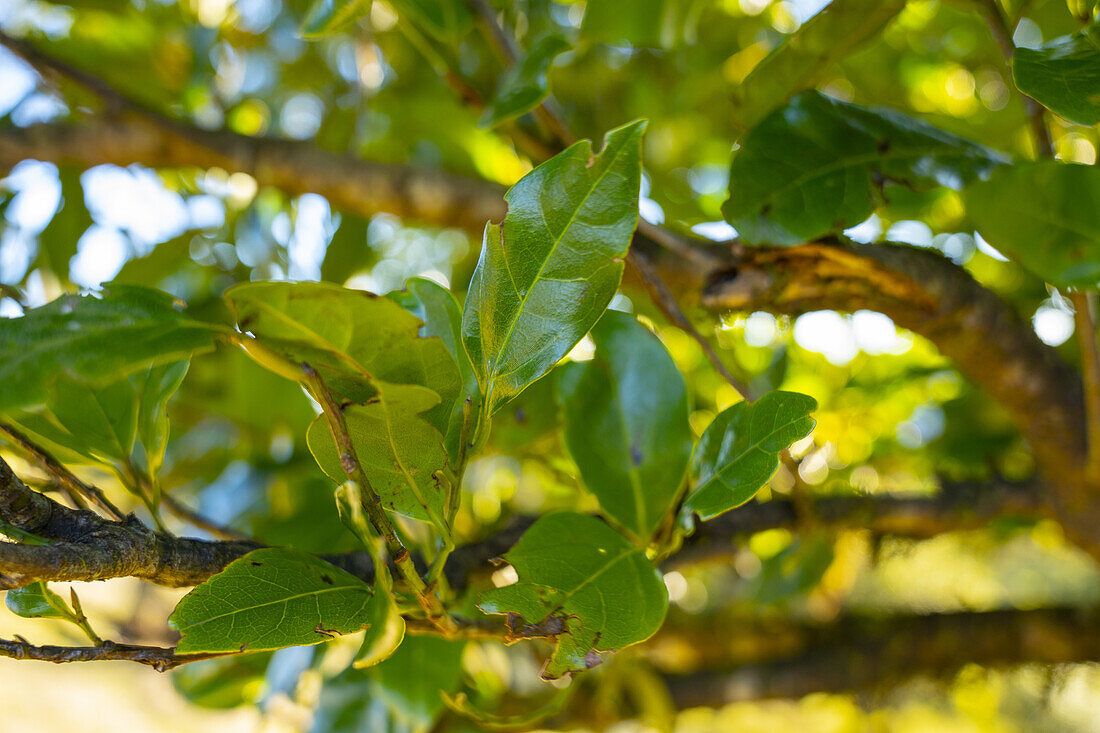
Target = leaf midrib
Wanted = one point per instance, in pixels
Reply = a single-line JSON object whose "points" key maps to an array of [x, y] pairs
{"points": [[549, 255]]}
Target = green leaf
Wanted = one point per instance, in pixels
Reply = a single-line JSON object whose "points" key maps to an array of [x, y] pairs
{"points": [[155, 387], [546, 274], [95, 339], [1063, 75], [818, 166], [413, 679], [350, 337], [626, 423], [524, 86], [646, 23], [102, 422], [804, 58], [446, 20], [398, 450], [438, 309], [582, 584], [1044, 215], [348, 252], [58, 241], [739, 450], [386, 625], [222, 682], [37, 601], [331, 16], [270, 599]]}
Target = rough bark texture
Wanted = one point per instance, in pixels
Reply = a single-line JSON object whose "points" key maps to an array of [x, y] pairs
{"points": [[929, 295]]}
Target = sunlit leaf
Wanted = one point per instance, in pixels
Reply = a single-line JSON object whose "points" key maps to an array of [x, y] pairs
{"points": [[548, 272], [808, 54], [350, 337], [1063, 75], [582, 584], [37, 601], [155, 387], [739, 450], [101, 422], [398, 449], [97, 339], [626, 423], [525, 85], [818, 166], [438, 309], [270, 599], [1044, 215]]}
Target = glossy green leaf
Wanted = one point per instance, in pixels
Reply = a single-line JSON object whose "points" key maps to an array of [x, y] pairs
{"points": [[331, 16], [739, 450], [37, 601], [809, 53], [270, 599], [349, 336], [397, 448], [546, 274], [97, 339], [626, 423], [582, 584], [438, 309], [101, 422], [818, 166], [524, 86], [1063, 75], [1044, 215]]}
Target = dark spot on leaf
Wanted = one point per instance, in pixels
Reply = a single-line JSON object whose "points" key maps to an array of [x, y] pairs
{"points": [[636, 454], [550, 626], [765, 209], [256, 564], [592, 659], [521, 416], [883, 147], [326, 579]]}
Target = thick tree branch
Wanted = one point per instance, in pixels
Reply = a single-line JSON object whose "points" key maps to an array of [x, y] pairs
{"points": [[296, 167], [926, 293], [780, 659], [85, 546]]}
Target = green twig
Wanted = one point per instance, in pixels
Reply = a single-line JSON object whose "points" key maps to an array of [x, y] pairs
{"points": [[371, 503]]}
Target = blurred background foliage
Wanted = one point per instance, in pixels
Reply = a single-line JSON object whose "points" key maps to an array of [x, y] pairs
{"points": [[895, 417]]}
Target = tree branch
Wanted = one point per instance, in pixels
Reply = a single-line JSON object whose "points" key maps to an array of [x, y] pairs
{"points": [[779, 659], [928, 294], [159, 658], [85, 546], [1083, 304]]}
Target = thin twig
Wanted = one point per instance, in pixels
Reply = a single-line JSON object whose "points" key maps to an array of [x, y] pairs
{"points": [[159, 658], [349, 461], [66, 478], [189, 515], [1036, 115], [663, 298], [1083, 303]]}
